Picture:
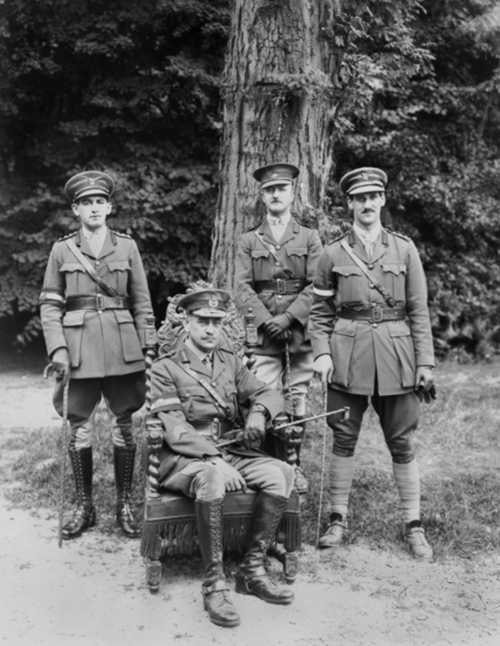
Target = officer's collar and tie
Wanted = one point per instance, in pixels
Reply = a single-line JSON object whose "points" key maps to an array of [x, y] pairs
{"points": [[95, 239], [368, 238], [278, 224]]}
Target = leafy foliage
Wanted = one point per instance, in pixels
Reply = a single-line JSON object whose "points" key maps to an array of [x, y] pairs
{"points": [[130, 88], [431, 119], [133, 88]]}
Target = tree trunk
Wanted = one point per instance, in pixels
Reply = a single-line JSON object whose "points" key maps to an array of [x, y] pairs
{"points": [[279, 99]]}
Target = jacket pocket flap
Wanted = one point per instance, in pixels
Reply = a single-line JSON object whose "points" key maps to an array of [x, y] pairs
{"points": [[296, 251], [398, 328], [394, 268], [123, 316], [347, 270], [260, 253], [119, 265], [74, 319], [72, 266], [346, 327]]}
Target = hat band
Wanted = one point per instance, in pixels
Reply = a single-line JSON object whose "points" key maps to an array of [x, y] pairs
{"points": [[91, 190], [368, 187]]}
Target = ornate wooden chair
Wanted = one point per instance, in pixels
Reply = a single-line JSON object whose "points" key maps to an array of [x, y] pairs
{"points": [[169, 525]]}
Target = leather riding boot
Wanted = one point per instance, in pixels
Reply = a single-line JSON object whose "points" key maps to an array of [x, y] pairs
{"points": [[209, 521], [124, 458], [84, 514], [251, 577]]}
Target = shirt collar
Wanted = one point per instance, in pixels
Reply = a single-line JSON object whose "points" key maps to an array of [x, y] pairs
{"points": [[371, 235], [283, 220]]}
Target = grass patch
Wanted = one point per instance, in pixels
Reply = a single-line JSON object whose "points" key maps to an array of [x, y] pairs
{"points": [[33, 476], [458, 447]]}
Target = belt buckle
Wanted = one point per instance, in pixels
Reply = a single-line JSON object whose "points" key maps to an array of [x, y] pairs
{"points": [[100, 302], [215, 429], [281, 285], [378, 314]]}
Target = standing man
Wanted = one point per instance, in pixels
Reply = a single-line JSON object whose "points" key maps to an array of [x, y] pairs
{"points": [[197, 392], [275, 266], [371, 338], [94, 304]]}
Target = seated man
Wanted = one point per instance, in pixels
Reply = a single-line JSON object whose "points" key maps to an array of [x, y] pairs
{"points": [[197, 393]]}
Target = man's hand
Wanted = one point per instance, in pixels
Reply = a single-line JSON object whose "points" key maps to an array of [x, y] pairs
{"points": [[60, 364], [277, 324], [233, 479], [323, 367], [424, 384], [255, 427]]}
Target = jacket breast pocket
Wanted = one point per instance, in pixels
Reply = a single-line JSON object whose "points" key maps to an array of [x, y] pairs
{"points": [[131, 347], [73, 331], [74, 276], [118, 274], [403, 345], [342, 346], [297, 259], [395, 279], [349, 283], [194, 402]]}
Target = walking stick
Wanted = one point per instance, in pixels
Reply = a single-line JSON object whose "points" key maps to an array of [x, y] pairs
{"points": [[64, 446], [64, 459], [323, 461]]}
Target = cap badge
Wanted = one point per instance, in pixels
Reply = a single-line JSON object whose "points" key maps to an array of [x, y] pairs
{"points": [[91, 181], [213, 302], [364, 176], [274, 175]]}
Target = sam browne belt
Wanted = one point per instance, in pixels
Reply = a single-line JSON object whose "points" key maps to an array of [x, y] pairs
{"points": [[375, 314], [98, 302], [280, 286]]}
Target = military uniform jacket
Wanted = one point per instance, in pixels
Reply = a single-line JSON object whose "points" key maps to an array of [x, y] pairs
{"points": [[299, 249], [361, 350], [100, 343], [180, 401]]}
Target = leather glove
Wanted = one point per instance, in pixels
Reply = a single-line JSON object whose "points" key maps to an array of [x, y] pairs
{"points": [[277, 324], [255, 426], [60, 364], [426, 395]]}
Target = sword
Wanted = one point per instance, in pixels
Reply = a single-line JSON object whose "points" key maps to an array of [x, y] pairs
{"points": [[345, 417]]}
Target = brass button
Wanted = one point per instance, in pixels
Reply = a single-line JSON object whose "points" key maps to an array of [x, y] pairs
{"points": [[278, 246], [97, 263], [372, 286], [277, 264], [214, 383], [279, 296], [375, 325], [370, 266]]}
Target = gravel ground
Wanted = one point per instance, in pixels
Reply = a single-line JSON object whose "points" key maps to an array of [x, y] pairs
{"points": [[92, 591]]}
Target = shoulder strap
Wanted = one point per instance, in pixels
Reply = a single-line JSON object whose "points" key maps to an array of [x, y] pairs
{"points": [[283, 267], [110, 291], [380, 288]]}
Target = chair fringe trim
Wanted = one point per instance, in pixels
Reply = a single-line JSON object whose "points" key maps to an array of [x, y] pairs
{"points": [[179, 537]]}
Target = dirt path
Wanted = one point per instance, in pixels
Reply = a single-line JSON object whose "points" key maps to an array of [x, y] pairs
{"points": [[93, 592]]}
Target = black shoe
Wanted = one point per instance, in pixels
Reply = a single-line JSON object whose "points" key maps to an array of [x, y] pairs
{"points": [[260, 585], [219, 606], [83, 518]]}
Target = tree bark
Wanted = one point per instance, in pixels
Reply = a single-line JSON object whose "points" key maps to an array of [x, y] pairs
{"points": [[279, 98]]}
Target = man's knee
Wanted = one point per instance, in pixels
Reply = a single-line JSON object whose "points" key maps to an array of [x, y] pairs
{"points": [[208, 484], [279, 479]]}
